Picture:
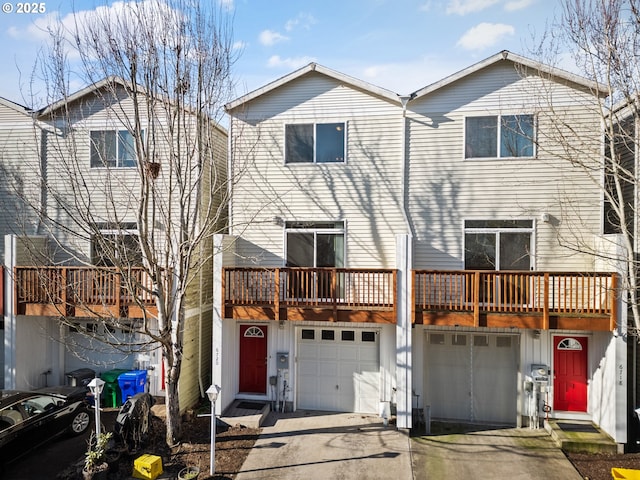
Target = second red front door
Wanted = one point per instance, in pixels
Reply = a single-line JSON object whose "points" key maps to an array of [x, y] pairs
{"points": [[570, 374]]}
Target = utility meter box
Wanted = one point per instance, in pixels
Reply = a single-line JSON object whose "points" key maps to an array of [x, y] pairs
{"points": [[283, 360], [540, 373]]}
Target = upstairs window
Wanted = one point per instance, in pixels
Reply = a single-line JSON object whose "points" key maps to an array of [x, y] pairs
{"points": [[112, 149], [116, 245], [498, 244], [315, 143], [315, 244], [499, 136]]}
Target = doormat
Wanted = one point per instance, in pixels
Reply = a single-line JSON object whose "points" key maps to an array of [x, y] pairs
{"points": [[577, 427], [251, 405]]}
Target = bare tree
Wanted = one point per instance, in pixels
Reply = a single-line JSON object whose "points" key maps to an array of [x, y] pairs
{"points": [[149, 194], [602, 38]]}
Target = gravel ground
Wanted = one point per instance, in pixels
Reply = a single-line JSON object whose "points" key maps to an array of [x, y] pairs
{"points": [[598, 466]]}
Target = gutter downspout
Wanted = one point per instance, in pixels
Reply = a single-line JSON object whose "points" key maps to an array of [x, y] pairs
{"points": [[404, 100], [230, 176], [404, 262], [200, 384]]}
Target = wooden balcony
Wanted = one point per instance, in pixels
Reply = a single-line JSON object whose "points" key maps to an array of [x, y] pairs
{"points": [[325, 294], [82, 292], [536, 300]]}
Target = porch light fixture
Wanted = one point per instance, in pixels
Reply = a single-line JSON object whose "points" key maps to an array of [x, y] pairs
{"points": [[212, 392], [96, 386]]}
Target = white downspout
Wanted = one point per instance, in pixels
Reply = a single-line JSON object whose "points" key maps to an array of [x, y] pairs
{"points": [[404, 262], [404, 100], [202, 389], [9, 313]]}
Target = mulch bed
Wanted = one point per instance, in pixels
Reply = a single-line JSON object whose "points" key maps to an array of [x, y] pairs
{"points": [[232, 448], [593, 466]]}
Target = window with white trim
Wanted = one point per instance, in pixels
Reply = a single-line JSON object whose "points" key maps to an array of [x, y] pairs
{"points": [[499, 136], [116, 245], [112, 149], [315, 143], [498, 244], [315, 244]]}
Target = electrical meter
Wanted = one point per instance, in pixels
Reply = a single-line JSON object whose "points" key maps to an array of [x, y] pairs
{"points": [[540, 373], [283, 360]]}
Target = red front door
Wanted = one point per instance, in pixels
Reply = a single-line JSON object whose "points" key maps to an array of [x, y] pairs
{"points": [[253, 359], [570, 374]]}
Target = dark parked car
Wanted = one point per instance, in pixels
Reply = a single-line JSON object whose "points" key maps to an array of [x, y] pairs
{"points": [[29, 419]]}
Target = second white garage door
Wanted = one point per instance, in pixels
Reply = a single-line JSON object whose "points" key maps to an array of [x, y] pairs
{"points": [[471, 377], [338, 369]]}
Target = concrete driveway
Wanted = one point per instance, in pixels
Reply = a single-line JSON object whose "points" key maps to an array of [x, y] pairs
{"points": [[309, 445], [509, 453]]}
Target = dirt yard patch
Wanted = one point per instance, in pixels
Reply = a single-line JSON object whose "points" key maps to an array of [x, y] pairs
{"points": [[598, 466], [232, 447]]}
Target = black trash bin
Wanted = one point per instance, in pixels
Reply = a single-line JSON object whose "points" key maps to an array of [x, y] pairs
{"points": [[81, 377]]}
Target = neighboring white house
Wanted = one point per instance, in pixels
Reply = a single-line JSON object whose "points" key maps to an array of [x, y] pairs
{"points": [[427, 249], [77, 160]]}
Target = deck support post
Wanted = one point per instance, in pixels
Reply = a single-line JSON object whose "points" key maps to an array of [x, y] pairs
{"points": [[545, 303], [476, 299]]}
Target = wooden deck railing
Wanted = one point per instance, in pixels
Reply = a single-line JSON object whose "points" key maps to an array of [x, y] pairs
{"points": [[546, 294], [332, 289], [80, 291]]}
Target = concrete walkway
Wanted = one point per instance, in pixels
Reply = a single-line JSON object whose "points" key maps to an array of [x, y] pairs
{"points": [[510, 453], [309, 445]]}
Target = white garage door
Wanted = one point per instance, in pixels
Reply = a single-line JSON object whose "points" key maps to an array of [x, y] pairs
{"points": [[338, 369], [471, 376]]}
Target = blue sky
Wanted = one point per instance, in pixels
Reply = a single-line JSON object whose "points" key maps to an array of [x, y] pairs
{"points": [[401, 45]]}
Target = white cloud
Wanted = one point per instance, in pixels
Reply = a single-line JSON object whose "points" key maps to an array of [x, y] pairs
{"points": [[269, 37], [485, 35], [410, 76], [13, 32], [291, 63], [515, 5], [425, 7], [303, 20], [463, 7], [239, 45]]}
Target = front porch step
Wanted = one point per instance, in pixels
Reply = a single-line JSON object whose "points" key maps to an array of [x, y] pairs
{"points": [[579, 436], [249, 413]]}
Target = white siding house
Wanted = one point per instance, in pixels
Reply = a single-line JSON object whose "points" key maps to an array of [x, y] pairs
{"points": [[342, 210], [427, 249], [77, 157]]}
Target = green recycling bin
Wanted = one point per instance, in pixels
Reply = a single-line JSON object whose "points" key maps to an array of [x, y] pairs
{"points": [[112, 396]]}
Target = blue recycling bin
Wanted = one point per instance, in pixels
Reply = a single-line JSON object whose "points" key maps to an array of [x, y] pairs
{"points": [[132, 383]]}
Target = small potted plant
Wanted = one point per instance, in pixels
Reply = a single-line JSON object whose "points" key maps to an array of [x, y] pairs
{"points": [[95, 461], [189, 473]]}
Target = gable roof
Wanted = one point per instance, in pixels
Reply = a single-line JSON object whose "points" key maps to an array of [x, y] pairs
{"points": [[506, 55], [14, 106], [313, 67], [89, 89], [106, 82]]}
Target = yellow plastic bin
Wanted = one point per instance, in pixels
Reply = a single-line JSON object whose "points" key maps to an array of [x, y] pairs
{"points": [[147, 467], [625, 473]]}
